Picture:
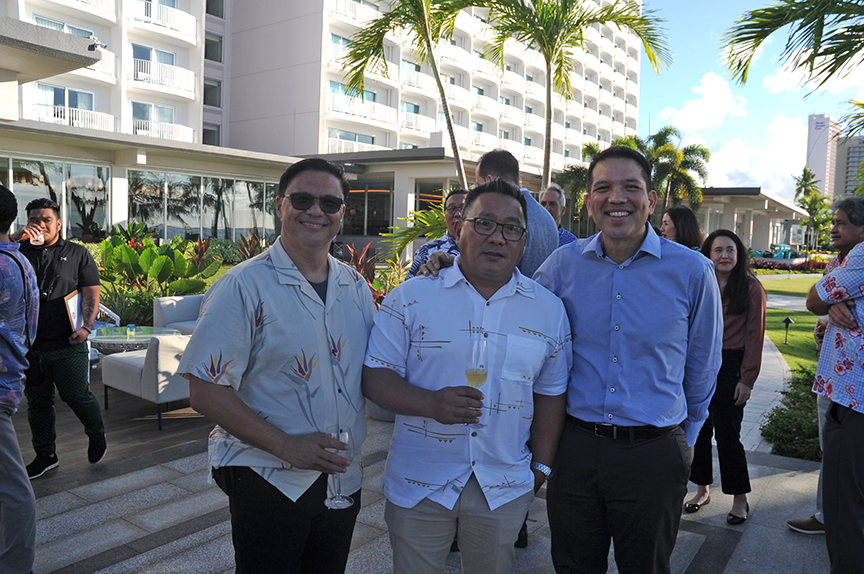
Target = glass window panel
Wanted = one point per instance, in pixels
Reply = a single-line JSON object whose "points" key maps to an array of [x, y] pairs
{"points": [[4, 171], [272, 223], [46, 23], [211, 135], [355, 213], [248, 208], [76, 31], [216, 8], [87, 193], [141, 111], [140, 52], [213, 93], [169, 3], [32, 179], [80, 100], [147, 199], [213, 47], [378, 211], [216, 215], [164, 57], [365, 139], [164, 114], [427, 195], [183, 206]]}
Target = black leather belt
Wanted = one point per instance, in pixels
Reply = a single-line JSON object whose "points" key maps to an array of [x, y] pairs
{"points": [[616, 432]]}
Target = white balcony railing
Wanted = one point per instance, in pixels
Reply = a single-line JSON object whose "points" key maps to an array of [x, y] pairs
{"points": [[457, 95], [417, 122], [357, 107], [104, 5], [455, 55], [533, 155], [174, 132], [557, 131], [514, 80], [165, 16], [105, 65], [512, 114], [590, 115], [74, 117], [335, 145], [163, 75], [535, 90], [571, 135], [512, 146], [535, 123], [485, 104], [486, 67], [356, 11], [419, 80], [337, 53], [484, 140]]}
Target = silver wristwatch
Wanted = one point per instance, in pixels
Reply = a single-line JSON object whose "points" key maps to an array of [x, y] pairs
{"points": [[542, 468]]}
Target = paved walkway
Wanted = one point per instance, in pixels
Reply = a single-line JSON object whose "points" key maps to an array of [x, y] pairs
{"points": [[155, 512]]}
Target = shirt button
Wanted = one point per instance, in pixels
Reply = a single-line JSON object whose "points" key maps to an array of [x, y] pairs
{"points": [[473, 462], [612, 390], [614, 359], [473, 434], [620, 267], [618, 296], [610, 416], [617, 327], [339, 390], [487, 303], [485, 334]]}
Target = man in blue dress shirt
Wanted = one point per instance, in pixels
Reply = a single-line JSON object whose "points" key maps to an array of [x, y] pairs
{"points": [[647, 327], [554, 200]]}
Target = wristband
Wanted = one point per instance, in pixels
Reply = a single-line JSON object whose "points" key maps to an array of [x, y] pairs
{"points": [[86, 329], [542, 468]]}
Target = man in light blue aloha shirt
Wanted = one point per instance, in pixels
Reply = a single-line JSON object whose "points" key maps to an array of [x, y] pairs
{"points": [[275, 361]]}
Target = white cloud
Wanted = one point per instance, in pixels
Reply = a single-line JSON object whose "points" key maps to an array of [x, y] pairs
{"points": [[787, 79], [715, 102], [772, 167]]}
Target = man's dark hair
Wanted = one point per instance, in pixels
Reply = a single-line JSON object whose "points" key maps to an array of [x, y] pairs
{"points": [[853, 207], [43, 203], [499, 164], [621, 152], [314, 164], [737, 290], [453, 192], [687, 230], [496, 186], [8, 208]]}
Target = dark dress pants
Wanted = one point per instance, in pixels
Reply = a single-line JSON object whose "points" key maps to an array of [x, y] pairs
{"points": [[724, 422], [605, 489], [273, 534]]}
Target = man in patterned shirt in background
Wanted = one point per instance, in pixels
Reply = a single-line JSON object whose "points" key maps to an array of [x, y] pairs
{"points": [[439, 472], [840, 378], [275, 361], [554, 200], [447, 244], [19, 311], [847, 231]]}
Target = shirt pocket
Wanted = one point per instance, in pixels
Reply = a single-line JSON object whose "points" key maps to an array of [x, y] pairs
{"points": [[524, 359]]}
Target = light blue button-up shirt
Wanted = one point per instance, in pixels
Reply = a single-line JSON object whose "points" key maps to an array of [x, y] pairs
{"points": [[647, 333]]}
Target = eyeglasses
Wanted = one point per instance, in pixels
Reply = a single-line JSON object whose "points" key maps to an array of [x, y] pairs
{"points": [[303, 201], [453, 210], [488, 227]]}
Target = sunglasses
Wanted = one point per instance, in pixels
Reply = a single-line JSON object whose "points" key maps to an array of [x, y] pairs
{"points": [[303, 201]]}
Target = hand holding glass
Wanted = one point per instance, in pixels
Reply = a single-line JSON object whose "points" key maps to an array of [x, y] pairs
{"points": [[343, 435]]}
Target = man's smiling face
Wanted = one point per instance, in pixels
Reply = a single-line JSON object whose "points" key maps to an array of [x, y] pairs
{"points": [[618, 201]]}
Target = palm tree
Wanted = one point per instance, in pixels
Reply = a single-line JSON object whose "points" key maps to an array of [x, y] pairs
{"points": [[556, 29], [825, 39], [806, 184], [429, 21], [818, 215], [674, 169]]}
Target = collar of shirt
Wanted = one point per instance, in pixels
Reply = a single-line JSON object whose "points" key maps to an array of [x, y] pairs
{"points": [[517, 284], [288, 273], [650, 245]]}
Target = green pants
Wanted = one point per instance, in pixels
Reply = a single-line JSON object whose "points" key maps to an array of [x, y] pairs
{"points": [[68, 370]]}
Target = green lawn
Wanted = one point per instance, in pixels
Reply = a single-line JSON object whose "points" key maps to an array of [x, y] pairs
{"points": [[801, 349], [792, 287]]}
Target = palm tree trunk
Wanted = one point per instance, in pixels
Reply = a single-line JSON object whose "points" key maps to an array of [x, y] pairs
{"points": [[547, 138], [460, 168]]}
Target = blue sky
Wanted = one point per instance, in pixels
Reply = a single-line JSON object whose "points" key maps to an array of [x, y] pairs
{"points": [[757, 133]]}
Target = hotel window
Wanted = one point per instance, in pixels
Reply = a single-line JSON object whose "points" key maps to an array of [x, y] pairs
{"points": [[213, 47], [342, 89], [216, 8], [211, 134], [212, 93], [410, 108], [62, 27]]}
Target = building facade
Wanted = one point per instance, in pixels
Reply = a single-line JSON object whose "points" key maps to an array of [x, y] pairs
{"points": [[823, 135], [263, 79]]}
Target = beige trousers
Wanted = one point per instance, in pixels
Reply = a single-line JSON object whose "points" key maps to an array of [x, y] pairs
{"points": [[421, 536]]}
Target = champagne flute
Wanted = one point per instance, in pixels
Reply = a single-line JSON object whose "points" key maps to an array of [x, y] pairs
{"points": [[340, 501], [476, 368]]}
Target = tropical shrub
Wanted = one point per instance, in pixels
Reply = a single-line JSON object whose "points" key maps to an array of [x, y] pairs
{"points": [[792, 427], [225, 249], [250, 245]]}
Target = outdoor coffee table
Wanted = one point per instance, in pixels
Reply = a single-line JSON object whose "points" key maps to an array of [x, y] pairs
{"points": [[115, 339]]}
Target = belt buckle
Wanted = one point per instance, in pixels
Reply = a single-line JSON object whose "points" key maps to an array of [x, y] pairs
{"points": [[613, 427]]}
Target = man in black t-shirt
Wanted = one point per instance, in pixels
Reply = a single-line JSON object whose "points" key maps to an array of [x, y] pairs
{"points": [[59, 357]]}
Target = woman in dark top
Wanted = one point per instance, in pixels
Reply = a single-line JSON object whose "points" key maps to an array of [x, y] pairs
{"points": [[743, 333], [680, 225]]}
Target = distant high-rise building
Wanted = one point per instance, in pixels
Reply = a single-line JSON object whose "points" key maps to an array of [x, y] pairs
{"points": [[823, 134], [850, 154]]}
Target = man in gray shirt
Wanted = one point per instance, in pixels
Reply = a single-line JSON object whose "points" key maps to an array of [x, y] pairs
{"points": [[542, 230]]}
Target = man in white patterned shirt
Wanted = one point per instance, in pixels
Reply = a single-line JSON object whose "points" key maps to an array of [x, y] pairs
{"points": [[440, 472]]}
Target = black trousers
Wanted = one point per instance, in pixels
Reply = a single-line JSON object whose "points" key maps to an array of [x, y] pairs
{"points": [[843, 488], [605, 489], [724, 422], [272, 534]]}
